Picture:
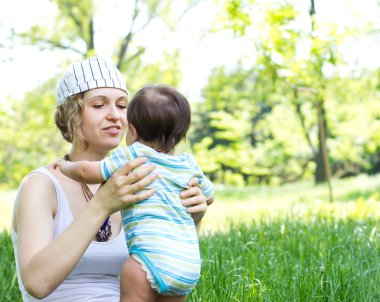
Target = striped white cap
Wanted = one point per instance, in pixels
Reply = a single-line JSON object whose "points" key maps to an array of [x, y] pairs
{"points": [[94, 72]]}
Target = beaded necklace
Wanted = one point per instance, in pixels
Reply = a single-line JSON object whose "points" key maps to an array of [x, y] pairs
{"points": [[105, 231]]}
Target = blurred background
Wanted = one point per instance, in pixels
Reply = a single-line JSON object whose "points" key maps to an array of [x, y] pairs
{"points": [[281, 91]]}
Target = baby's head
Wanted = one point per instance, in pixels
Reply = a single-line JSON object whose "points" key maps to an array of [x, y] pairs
{"points": [[160, 116]]}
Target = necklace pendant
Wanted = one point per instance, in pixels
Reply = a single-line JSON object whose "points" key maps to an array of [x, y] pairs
{"points": [[105, 231]]}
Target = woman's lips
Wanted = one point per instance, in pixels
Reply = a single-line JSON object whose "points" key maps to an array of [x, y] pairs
{"points": [[113, 130]]}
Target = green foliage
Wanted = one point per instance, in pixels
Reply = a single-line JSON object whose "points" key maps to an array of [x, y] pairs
{"points": [[70, 29], [275, 104], [355, 126], [222, 129], [166, 70], [73, 27], [237, 15], [29, 135], [247, 132]]}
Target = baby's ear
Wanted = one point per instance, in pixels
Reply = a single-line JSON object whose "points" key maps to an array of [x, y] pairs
{"points": [[134, 131]]}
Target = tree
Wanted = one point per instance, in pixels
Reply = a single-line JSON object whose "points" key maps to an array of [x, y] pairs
{"points": [[75, 27], [297, 93], [221, 131], [278, 50]]}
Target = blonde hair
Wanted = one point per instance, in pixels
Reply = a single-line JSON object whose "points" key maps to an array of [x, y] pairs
{"points": [[68, 119]]}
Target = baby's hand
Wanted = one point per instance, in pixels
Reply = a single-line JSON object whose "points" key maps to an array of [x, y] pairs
{"points": [[58, 164]]}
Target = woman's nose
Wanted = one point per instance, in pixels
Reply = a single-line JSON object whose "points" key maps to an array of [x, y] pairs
{"points": [[113, 113]]}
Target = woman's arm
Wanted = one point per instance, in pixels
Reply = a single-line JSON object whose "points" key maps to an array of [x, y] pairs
{"points": [[45, 261]]}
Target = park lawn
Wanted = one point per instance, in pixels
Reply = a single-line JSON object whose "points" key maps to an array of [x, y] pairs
{"points": [[356, 198], [279, 244], [286, 259]]}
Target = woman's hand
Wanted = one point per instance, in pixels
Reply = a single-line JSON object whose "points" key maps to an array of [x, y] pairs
{"points": [[195, 201], [124, 186]]}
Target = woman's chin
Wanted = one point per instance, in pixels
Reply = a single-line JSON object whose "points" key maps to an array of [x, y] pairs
{"points": [[109, 144]]}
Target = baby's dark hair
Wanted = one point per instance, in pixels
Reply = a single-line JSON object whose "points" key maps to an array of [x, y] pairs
{"points": [[161, 115]]}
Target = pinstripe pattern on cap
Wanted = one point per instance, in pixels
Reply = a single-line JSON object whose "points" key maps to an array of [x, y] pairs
{"points": [[94, 72]]}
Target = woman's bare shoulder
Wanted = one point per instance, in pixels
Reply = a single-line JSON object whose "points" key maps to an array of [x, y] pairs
{"points": [[36, 191], [36, 180]]}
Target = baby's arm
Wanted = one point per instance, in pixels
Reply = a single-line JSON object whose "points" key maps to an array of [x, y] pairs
{"points": [[81, 171]]}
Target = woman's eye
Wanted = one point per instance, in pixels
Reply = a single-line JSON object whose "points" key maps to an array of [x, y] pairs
{"points": [[97, 106], [121, 106]]}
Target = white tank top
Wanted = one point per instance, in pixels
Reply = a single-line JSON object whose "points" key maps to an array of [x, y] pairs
{"points": [[96, 276]]}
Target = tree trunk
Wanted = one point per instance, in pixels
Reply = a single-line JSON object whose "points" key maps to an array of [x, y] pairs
{"points": [[323, 171], [321, 158], [320, 161]]}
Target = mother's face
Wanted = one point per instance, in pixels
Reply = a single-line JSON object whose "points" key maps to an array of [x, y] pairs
{"points": [[104, 118]]}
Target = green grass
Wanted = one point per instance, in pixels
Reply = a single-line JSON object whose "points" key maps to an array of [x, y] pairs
{"points": [[8, 279], [278, 244], [290, 260]]}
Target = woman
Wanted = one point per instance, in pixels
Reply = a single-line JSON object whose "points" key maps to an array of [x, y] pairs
{"points": [[56, 220]]}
